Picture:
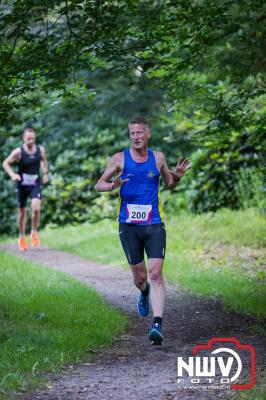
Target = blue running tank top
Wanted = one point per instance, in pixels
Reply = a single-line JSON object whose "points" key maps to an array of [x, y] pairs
{"points": [[139, 199]]}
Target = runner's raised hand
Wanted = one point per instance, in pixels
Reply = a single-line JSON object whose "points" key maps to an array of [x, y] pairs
{"points": [[182, 166]]}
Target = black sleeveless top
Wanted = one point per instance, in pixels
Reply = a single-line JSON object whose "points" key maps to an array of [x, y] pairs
{"points": [[29, 165]]}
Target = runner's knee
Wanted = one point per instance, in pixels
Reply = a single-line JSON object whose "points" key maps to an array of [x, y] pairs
{"points": [[36, 208], [22, 212], [140, 278], [156, 276]]}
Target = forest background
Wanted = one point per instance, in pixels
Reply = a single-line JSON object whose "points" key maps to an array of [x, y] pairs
{"points": [[77, 71]]}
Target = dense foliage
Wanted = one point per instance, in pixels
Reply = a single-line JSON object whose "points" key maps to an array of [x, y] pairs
{"points": [[78, 70]]}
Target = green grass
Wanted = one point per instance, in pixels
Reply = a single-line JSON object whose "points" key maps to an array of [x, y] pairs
{"points": [[98, 242], [47, 319], [258, 392], [215, 254], [220, 254]]}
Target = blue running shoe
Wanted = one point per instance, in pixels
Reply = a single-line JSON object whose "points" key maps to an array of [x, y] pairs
{"points": [[155, 334], [143, 303]]}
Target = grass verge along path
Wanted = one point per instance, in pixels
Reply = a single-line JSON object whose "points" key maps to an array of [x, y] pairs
{"points": [[47, 319]]}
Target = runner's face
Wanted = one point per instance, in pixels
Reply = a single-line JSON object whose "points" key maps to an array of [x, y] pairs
{"points": [[29, 139], [139, 135]]}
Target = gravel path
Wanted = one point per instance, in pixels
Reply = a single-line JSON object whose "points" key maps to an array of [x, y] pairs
{"points": [[132, 368]]}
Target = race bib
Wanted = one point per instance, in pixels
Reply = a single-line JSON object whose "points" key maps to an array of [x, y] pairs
{"points": [[29, 180], [139, 212]]}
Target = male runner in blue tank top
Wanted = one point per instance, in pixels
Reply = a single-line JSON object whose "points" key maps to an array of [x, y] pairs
{"points": [[141, 225], [29, 157]]}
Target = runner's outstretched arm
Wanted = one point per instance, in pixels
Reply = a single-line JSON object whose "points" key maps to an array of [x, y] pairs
{"points": [[114, 165]]}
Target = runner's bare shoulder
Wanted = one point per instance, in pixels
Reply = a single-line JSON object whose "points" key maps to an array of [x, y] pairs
{"points": [[118, 160], [14, 156], [160, 159], [42, 150]]}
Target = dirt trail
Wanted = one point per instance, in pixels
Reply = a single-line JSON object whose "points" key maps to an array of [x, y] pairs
{"points": [[133, 369]]}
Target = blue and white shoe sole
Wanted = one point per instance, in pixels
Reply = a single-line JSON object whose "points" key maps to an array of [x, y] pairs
{"points": [[156, 337]]}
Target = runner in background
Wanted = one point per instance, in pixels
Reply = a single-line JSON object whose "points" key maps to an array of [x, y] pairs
{"points": [[29, 157]]}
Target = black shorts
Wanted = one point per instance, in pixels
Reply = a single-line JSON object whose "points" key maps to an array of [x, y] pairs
{"points": [[137, 238], [23, 192]]}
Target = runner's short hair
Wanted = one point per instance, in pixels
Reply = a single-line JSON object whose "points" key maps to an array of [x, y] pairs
{"points": [[139, 120], [29, 129]]}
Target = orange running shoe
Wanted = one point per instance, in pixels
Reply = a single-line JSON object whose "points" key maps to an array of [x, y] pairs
{"points": [[35, 242], [22, 244]]}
